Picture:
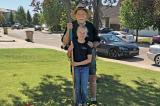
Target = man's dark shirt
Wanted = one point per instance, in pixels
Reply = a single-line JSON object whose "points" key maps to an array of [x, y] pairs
{"points": [[92, 32], [81, 51]]}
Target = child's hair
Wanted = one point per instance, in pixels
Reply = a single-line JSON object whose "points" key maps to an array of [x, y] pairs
{"points": [[83, 27]]}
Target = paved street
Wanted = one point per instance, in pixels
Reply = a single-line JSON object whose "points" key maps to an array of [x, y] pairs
{"points": [[55, 41], [39, 37]]}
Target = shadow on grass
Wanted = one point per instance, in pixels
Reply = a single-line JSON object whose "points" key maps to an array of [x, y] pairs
{"points": [[111, 92], [51, 91]]}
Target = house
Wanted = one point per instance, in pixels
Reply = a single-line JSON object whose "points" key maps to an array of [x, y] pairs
{"points": [[110, 18], [6, 14]]}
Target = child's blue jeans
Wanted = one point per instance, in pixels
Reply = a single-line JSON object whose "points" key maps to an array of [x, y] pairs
{"points": [[81, 76]]}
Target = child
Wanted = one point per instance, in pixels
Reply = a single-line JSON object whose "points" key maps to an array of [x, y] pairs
{"points": [[82, 54]]}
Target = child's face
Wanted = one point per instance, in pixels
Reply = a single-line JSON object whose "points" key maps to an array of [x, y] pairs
{"points": [[81, 33]]}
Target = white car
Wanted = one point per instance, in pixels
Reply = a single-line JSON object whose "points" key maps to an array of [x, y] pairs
{"points": [[126, 36], [154, 54]]}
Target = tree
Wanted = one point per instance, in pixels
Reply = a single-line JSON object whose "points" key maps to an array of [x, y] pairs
{"points": [[21, 16], [156, 24], [29, 18], [42, 20], [68, 4], [54, 9], [157, 7], [63, 20], [96, 17], [36, 19], [2, 19], [11, 18], [133, 15]]}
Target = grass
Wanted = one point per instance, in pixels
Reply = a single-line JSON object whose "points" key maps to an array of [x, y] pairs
{"points": [[41, 77], [145, 40]]}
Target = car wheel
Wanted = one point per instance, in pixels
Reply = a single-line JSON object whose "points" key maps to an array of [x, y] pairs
{"points": [[114, 53], [157, 60]]}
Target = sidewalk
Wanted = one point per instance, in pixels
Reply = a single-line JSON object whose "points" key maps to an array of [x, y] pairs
{"points": [[10, 42]]}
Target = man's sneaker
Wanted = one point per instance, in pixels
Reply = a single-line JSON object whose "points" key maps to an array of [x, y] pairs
{"points": [[93, 103]]}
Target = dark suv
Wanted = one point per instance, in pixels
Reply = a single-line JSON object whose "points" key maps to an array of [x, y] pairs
{"points": [[37, 27]]}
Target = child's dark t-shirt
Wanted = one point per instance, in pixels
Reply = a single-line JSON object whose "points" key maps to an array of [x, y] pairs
{"points": [[81, 51]]}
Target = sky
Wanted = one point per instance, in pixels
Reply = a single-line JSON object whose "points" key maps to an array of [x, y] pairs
{"points": [[14, 4]]}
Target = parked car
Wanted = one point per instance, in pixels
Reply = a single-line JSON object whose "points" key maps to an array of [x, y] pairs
{"points": [[37, 27], [105, 30], [45, 27], [126, 36], [154, 54], [156, 39], [115, 47], [17, 26]]}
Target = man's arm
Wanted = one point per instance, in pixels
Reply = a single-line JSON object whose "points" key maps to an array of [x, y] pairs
{"points": [[65, 38]]}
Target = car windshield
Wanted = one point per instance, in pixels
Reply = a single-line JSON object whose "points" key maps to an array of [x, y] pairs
{"points": [[112, 38], [124, 33], [17, 23]]}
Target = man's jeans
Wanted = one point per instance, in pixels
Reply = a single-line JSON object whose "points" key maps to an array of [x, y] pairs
{"points": [[81, 76]]}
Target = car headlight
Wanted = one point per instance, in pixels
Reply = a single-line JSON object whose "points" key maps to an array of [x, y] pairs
{"points": [[123, 48]]}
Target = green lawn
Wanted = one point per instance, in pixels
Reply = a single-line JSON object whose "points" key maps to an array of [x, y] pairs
{"points": [[41, 77]]}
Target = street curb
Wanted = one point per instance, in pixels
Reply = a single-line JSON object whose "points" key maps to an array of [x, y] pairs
{"points": [[36, 45]]}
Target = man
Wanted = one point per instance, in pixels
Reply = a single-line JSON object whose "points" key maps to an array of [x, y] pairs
{"points": [[81, 15]]}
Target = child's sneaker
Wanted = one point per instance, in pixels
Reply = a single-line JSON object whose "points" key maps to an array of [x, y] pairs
{"points": [[80, 105]]}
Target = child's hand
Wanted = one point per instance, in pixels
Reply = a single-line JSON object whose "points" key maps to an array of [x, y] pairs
{"points": [[75, 64]]}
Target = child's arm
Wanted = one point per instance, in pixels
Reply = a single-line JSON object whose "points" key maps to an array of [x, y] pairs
{"points": [[87, 61]]}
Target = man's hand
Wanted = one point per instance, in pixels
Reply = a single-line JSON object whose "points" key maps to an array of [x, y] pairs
{"points": [[90, 44], [71, 47], [69, 26], [95, 44]]}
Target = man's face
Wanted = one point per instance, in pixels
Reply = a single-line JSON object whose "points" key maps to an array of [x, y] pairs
{"points": [[81, 16]]}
